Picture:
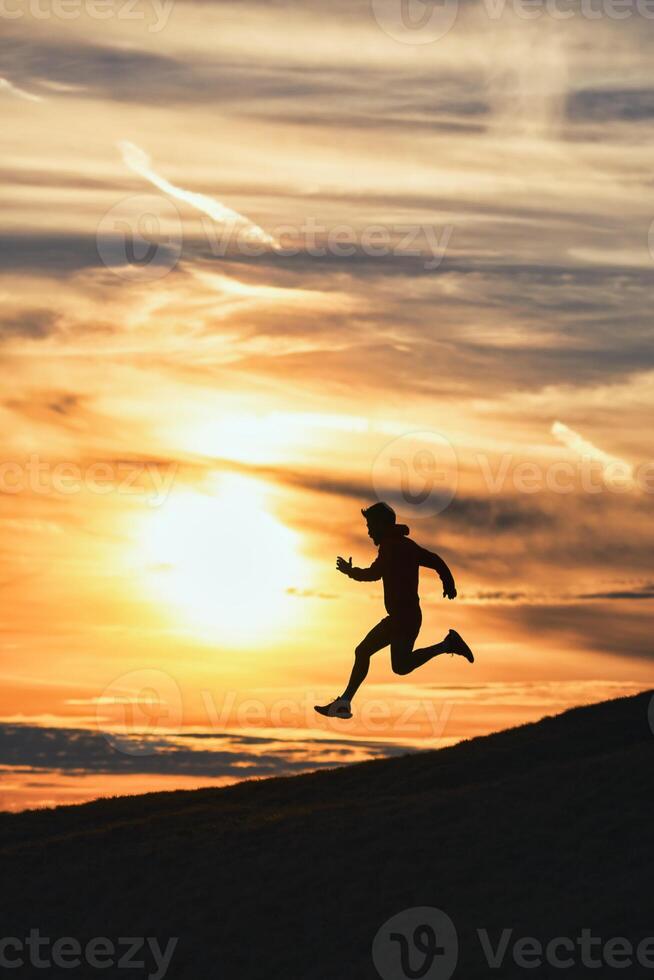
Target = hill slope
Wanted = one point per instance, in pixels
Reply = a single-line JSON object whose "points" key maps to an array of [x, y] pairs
{"points": [[545, 829]]}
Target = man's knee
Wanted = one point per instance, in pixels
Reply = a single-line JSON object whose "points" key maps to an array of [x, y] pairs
{"points": [[361, 654], [401, 666]]}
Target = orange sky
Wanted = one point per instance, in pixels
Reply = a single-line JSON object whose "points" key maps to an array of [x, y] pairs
{"points": [[260, 268]]}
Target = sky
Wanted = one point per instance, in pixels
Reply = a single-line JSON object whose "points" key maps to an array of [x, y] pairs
{"points": [[262, 265]]}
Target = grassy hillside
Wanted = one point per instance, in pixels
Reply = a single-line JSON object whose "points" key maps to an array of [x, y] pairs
{"points": [[545, 829]]}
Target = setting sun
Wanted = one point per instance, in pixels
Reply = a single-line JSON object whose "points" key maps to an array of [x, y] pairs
{"points": [[222, 562]]}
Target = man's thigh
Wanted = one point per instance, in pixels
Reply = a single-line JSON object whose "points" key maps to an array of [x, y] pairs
{"points": [[378, 638], [404, 633]]}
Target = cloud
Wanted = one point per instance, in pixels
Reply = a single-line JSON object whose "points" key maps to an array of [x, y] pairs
{"points": [[53, 253], [6, 86], [590, 627], [40, 749], [605, 105], [645, 591], [587, 450], [34, 324], [139, 162], [502, 596]]}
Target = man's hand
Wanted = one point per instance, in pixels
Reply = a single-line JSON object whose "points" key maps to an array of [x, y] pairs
{"points": [[344, 566], [449, 590]]}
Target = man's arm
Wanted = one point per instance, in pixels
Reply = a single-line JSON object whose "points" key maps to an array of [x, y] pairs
{"points": [[372, 574], [429, 559]]}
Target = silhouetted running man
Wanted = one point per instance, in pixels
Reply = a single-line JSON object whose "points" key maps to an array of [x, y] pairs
{"points": [[397, 565]]}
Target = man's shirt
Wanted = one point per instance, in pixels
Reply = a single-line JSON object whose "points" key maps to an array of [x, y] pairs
{"points": [[398, 566]]}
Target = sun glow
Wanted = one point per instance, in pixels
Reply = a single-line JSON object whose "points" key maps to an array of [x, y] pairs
{"points": [[240, 437], [223, 562]]}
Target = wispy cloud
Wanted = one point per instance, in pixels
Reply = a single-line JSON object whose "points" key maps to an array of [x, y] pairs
{"points": [[139, 162], [7, 86], [573, 440]]}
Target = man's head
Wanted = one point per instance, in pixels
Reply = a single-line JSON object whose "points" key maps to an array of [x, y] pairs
{"points": [[379, 518]]}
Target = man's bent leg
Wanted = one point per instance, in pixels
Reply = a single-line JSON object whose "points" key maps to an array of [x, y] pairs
{"points": [[422, 656], [378, 638], [404, 658]]}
